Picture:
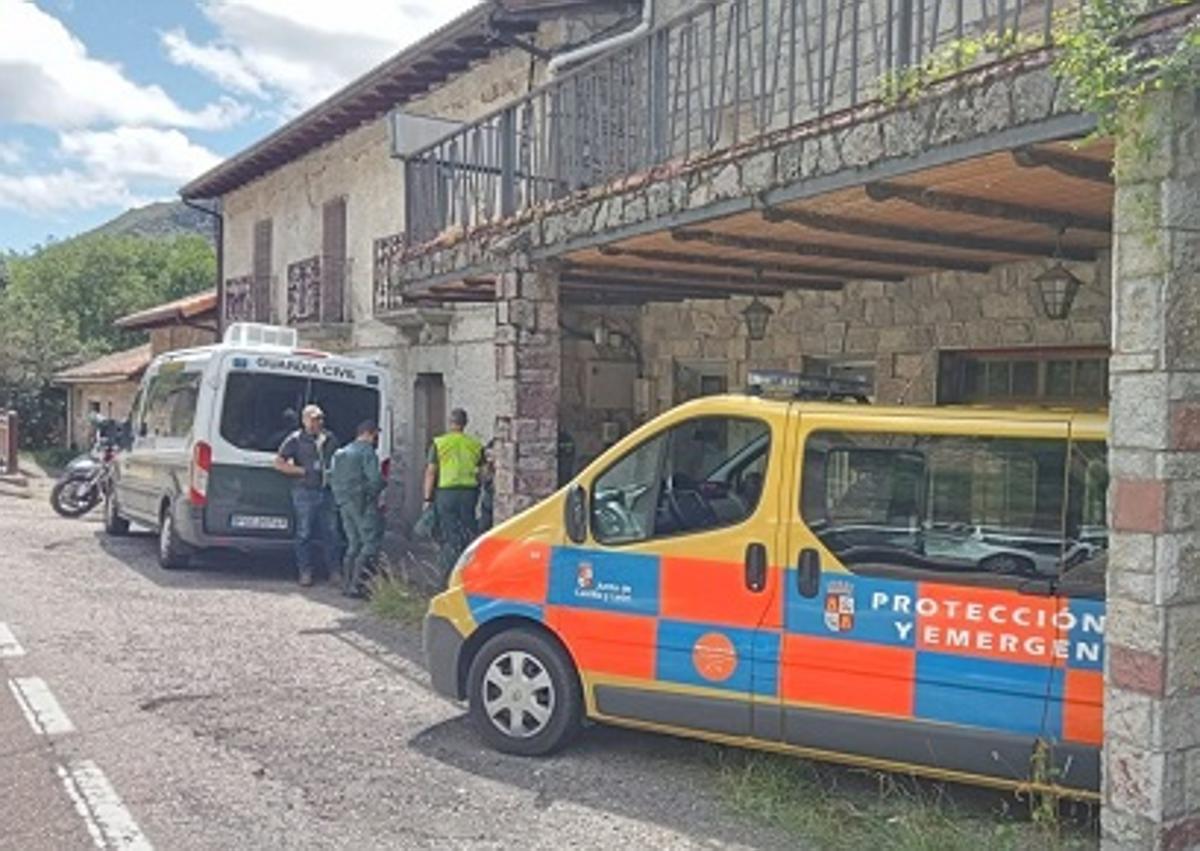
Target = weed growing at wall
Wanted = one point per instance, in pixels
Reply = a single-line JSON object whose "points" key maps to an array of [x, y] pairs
{"points": [[953, 58]]}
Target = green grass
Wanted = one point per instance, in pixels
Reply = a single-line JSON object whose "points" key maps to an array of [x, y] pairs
{"points": [[835, 808], [392, 599]]}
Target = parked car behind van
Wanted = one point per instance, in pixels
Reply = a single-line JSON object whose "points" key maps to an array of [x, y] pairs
{"points": [[204, 430]]}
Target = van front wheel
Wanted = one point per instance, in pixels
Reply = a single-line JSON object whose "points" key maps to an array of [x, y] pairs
{"points": [[172, 551], [114, 523], [524, 694]]}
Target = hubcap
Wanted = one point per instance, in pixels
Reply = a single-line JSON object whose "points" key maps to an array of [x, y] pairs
{"points": [[518, 694]]}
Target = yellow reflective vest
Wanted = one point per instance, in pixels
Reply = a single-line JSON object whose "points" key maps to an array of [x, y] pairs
{"points": [[458, 457]]}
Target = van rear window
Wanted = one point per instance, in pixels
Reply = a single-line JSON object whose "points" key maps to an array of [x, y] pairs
{"points": [[261, 409]]}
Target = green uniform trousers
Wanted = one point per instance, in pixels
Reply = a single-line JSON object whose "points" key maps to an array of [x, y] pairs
{"points": [[364, 534]]}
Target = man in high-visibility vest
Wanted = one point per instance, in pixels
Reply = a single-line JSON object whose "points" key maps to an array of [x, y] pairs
{"points": [[452, 486]]}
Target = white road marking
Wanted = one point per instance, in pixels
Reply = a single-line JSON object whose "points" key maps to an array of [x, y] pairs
{"points": [[108, 821], [9, 646], [40, 707]]}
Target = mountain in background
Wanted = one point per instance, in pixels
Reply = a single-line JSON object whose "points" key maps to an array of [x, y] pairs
{"points": [[164, 219]]}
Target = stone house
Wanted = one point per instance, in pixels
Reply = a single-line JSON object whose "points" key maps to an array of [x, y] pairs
{"points": [[108, 384], [313, 216]]}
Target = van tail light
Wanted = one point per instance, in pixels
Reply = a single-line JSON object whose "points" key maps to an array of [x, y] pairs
{"points": [[385, 468], [201, 465]]}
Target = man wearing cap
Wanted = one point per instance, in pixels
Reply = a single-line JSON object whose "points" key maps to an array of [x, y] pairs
{"points": [[304, 457], [357, 482], [452, 486]]}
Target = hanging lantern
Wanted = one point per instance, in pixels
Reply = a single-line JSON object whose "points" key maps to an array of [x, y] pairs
{"points": [[757, 315], [1057, 288]]}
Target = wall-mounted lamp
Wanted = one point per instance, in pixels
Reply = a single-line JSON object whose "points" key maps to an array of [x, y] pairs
{"points": [[757, 315]]}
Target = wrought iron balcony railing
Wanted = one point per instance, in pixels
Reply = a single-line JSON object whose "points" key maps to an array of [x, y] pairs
{"points": [[723, 71], [248, 298], [316, 290]]}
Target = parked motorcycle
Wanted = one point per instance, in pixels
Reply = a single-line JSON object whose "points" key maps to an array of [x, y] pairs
{"points": [[85, 481]]}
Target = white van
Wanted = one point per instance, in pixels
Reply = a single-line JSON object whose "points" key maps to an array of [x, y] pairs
{"points": [[205, 428]]}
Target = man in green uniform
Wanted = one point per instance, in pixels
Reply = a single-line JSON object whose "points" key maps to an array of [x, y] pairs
{"points": [[357, 483], [452, 486]]}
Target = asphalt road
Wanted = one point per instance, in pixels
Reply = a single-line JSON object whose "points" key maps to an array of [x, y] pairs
{"points": [[224, 707]]}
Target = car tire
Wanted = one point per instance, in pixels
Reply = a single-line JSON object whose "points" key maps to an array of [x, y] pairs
{"points": [[524, 693], [172, 551], [114, 523]]}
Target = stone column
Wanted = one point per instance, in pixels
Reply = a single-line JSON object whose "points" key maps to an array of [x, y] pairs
{"points": [[528, 366], [1152, 672]]}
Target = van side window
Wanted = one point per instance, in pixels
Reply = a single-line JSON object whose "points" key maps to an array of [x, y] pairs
{"points": [[705, 473], [982, 510], [1087, 518], [170, 405]]}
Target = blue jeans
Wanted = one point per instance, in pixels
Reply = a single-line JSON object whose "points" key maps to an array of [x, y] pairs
{"points": [[316, 525]]}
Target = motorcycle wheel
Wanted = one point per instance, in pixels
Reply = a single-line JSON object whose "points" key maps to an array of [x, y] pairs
{"points": [[63, 499]]}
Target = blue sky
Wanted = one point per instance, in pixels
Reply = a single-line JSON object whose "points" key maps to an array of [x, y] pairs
{"points": [[108, 104]]}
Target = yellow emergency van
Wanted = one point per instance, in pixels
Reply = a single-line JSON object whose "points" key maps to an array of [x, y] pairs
{"points": [[904, 588]]}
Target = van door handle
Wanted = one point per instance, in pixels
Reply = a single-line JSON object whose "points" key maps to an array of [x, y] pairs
{"points": [[756, 567], [808, 572]]}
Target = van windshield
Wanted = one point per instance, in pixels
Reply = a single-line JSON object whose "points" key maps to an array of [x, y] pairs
{"points": [[261, 409]]}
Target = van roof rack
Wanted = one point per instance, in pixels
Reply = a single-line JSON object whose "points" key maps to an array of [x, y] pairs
{"points": [[257, 334], [778, 383]]}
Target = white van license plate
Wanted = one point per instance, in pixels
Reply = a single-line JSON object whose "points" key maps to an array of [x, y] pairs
{"points": [[258, 521]]}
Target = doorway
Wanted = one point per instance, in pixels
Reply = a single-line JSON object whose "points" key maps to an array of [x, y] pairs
{"points": [[429, 420]]}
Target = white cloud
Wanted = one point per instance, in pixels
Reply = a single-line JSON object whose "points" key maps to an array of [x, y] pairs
{"points": [[223, 64], [64, 191], [47, 78], [138, 153], [12, 153], [123, 167], [303, 50]]}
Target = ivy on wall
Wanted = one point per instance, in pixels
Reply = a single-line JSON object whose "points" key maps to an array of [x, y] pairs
{"points": [[1110, 73]]}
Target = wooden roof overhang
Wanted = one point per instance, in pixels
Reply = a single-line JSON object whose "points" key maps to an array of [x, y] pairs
{"points": [[1044, 201], [426, 63]]}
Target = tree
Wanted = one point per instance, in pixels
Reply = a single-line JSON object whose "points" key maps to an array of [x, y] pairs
{"points": [[59, 303]]}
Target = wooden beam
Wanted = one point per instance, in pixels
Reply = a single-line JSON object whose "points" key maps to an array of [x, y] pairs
{"points": [[785, 246], [1082, 168], [458, 57], [699, 279], [710, 262], [895, 233], [601, 289], [952, 202]]}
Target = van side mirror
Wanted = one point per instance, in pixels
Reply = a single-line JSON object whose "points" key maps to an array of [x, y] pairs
{"points": [[575, 515]]}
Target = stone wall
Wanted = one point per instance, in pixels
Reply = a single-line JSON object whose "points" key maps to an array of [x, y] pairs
{"points": [[1152, 676], [899, 327], [528, 363], [584, 362]]}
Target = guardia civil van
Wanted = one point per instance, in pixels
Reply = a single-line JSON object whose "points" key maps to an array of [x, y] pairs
{"points": [[204, 430], [903, 588]]}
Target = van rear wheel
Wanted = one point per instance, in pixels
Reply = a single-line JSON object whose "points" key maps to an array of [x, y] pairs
{"points": [[524, 694], [172, 551]]}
